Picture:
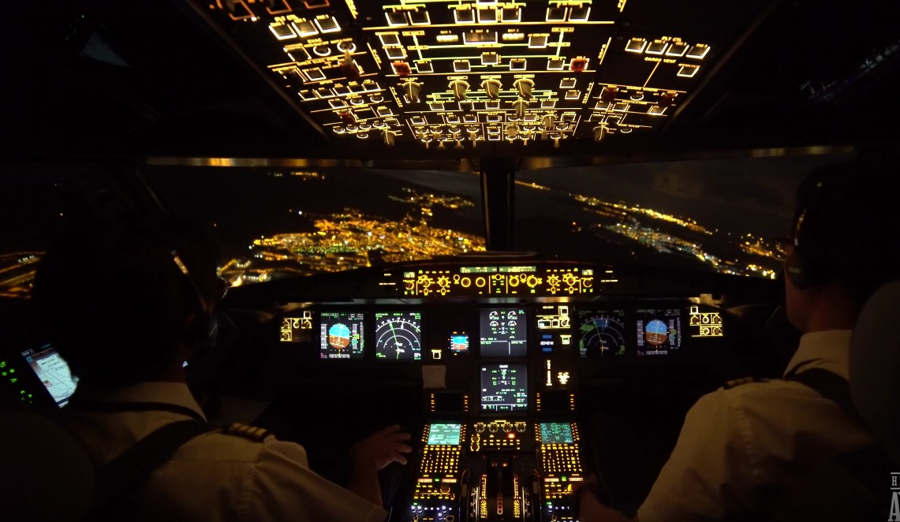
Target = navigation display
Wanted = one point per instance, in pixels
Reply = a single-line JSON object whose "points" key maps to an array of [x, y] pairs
{"points": [[398, 335], [341, 335], [444, 434], [556, 433], [658, 331], [53, 372], [504, 388], [504, 332], [601, 333]]}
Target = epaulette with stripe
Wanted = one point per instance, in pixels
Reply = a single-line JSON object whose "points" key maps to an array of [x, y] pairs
{"points": [[743, 380], [245, 431]]}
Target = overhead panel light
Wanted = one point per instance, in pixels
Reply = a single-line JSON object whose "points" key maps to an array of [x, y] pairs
{"points": [[327, 24], [464, 16], [389, 39], [636, 45], [305, 28], [487, 16], [513, 37], [537, 41], [511, 14], [579, 13], [461, 66], [480, 37], [419, 16], [677, 50], [447, 38], [657, 47], [556, 14], [395, 18], [698, 51], [687, 70], [282, 31]]}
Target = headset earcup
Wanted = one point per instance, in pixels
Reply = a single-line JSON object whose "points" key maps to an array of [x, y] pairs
{"points": [[797, 271]]}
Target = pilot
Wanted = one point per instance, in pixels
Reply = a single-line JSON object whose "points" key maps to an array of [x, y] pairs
{"points": [[127, 308], [763, 450]]}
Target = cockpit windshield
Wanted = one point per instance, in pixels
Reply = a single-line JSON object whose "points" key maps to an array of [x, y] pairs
{"points": [[718, 215]]}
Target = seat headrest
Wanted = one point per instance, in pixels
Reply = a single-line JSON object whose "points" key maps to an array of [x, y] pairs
{"points": [[875, 366], [47, 475]]}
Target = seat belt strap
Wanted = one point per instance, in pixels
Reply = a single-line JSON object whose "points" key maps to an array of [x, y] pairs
{"points": [[127, 472]]}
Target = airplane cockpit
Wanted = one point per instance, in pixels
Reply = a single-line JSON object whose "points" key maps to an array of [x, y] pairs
{"points": [[530, 233]]}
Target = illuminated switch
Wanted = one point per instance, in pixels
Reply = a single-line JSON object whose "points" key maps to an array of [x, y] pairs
{"points": [[424, 66], [555, 64], [578, 64], [698, 51], [666, 99], [419, 16], [511, 14], [464, 15], [677, 50], [656, 110], [322, 50], [513, 36], [687, 70], [636, 45], [384, 111], [395, 18], [282, 32], [490, 58], [461, 66], [579, 13], [304, 28], [402, 70], [487, 16], [394, 52], [620, 107], [315, 74], [470, 118], [376, 98], [567, 83], [573, 94], [327, 24], [480, 37], [537, 41], [436, 106], [336, 103], [389, 39], [656, 47], [556, 14], [307, 95], [518, 64], [436, 353]]}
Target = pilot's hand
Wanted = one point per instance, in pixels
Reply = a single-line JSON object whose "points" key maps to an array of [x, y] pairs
{"points": [[382, 448]]}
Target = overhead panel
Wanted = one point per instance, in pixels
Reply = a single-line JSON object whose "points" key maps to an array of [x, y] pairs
{"points": [[451, 73]]}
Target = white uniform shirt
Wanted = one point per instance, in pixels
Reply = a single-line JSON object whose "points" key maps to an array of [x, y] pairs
{"points": [[744, 448], [217, 477]]}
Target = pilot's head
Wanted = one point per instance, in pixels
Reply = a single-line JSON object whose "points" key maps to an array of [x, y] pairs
{"points": [[117, 303], [843, 245]]}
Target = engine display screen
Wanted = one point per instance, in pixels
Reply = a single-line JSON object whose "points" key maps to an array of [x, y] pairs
{"points": [[459, 342], [53, 372], [443, 434], [504, 388], [341, 335], [398, 335], [601, 333], [504, 333], [658, 331], [556, 433]]}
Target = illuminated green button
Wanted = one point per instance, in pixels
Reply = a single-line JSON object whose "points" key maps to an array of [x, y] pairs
{"points": [[3, 374]]}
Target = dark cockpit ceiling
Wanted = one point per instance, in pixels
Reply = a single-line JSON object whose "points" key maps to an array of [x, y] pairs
{"points": [[215, 78]]}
